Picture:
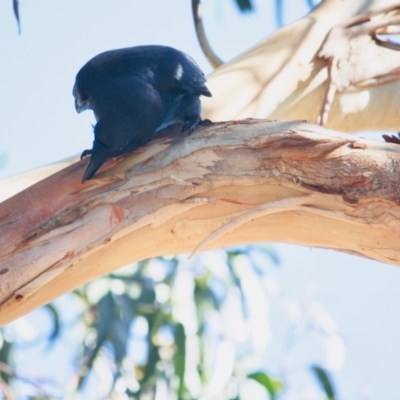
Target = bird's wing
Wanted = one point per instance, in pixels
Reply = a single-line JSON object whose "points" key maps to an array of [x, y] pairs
{"points": [[181, 73]]}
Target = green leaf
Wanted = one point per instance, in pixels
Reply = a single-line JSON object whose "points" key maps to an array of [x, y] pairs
{"points": [[150, 369], [5, 357], [231, 255], [325, 381], [56, 322], [180, 357], [273, 385], [244, 5]]}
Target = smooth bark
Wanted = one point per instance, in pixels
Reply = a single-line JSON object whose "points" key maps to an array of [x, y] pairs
{"points": [[235, 182], [256, 181]]}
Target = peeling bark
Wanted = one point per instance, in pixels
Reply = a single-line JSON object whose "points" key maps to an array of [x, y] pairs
{"points": [[254, 180], [233, 183], [286, 77]]}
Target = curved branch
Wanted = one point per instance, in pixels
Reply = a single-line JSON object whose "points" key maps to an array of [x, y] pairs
{"points": [[59, 234], [212, 58], [16, 14]]}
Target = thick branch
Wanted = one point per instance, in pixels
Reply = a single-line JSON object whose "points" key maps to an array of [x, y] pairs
{"points": [[271, 181], [284, 77]]}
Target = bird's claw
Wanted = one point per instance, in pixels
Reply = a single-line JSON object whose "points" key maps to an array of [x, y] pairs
{"points": [[86, 153], [206, 122], [193, 122]]}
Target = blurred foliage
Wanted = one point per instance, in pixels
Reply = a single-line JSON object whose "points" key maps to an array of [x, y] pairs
{"points": [[165, 328], [162, 328], [273, 386], [244, 6], [325, 381]]}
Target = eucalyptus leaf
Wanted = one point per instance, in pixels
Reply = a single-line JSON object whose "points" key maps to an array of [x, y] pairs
{"points": [[325, 381], [244, 5], [272, 385], [55, 317], [180, 357]]}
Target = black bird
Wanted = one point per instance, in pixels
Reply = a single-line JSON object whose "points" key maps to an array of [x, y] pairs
{"points": [[134, 93]]}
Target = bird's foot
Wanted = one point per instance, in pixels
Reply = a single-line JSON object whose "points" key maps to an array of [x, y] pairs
{"points": [[206, 122], [192, 123], [86, 153]]}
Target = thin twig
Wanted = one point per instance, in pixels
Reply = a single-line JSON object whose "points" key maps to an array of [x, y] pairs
{"points": [[16, 14], [212, 58]]}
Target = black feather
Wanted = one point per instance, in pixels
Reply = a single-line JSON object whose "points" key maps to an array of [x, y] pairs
{"points": [[134, 93]]}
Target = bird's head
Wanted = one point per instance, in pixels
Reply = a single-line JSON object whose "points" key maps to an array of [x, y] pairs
{"points": [[82, 101]]}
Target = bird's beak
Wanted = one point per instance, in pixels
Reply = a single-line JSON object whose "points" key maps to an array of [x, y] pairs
{"points": [[81, 104]]}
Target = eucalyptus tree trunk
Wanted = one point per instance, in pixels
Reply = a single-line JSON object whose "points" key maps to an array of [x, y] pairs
{"points": [[236, 182]]}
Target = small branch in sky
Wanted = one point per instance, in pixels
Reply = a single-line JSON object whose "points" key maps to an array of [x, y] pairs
{"points": [[212, 58], [16, 14]]}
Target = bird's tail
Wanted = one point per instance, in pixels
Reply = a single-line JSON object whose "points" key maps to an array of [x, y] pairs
{"points": [[99, 155]]}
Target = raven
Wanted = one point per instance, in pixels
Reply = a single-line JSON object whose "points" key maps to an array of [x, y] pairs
{"points": [[135, 92]]}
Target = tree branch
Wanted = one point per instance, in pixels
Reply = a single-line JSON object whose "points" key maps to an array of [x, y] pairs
{"points": [[59, 234], [284, 77], [211, 56], [235, 182]]}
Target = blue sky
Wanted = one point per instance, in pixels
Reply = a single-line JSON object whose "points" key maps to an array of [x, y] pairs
{"points": [[40, 126]]}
